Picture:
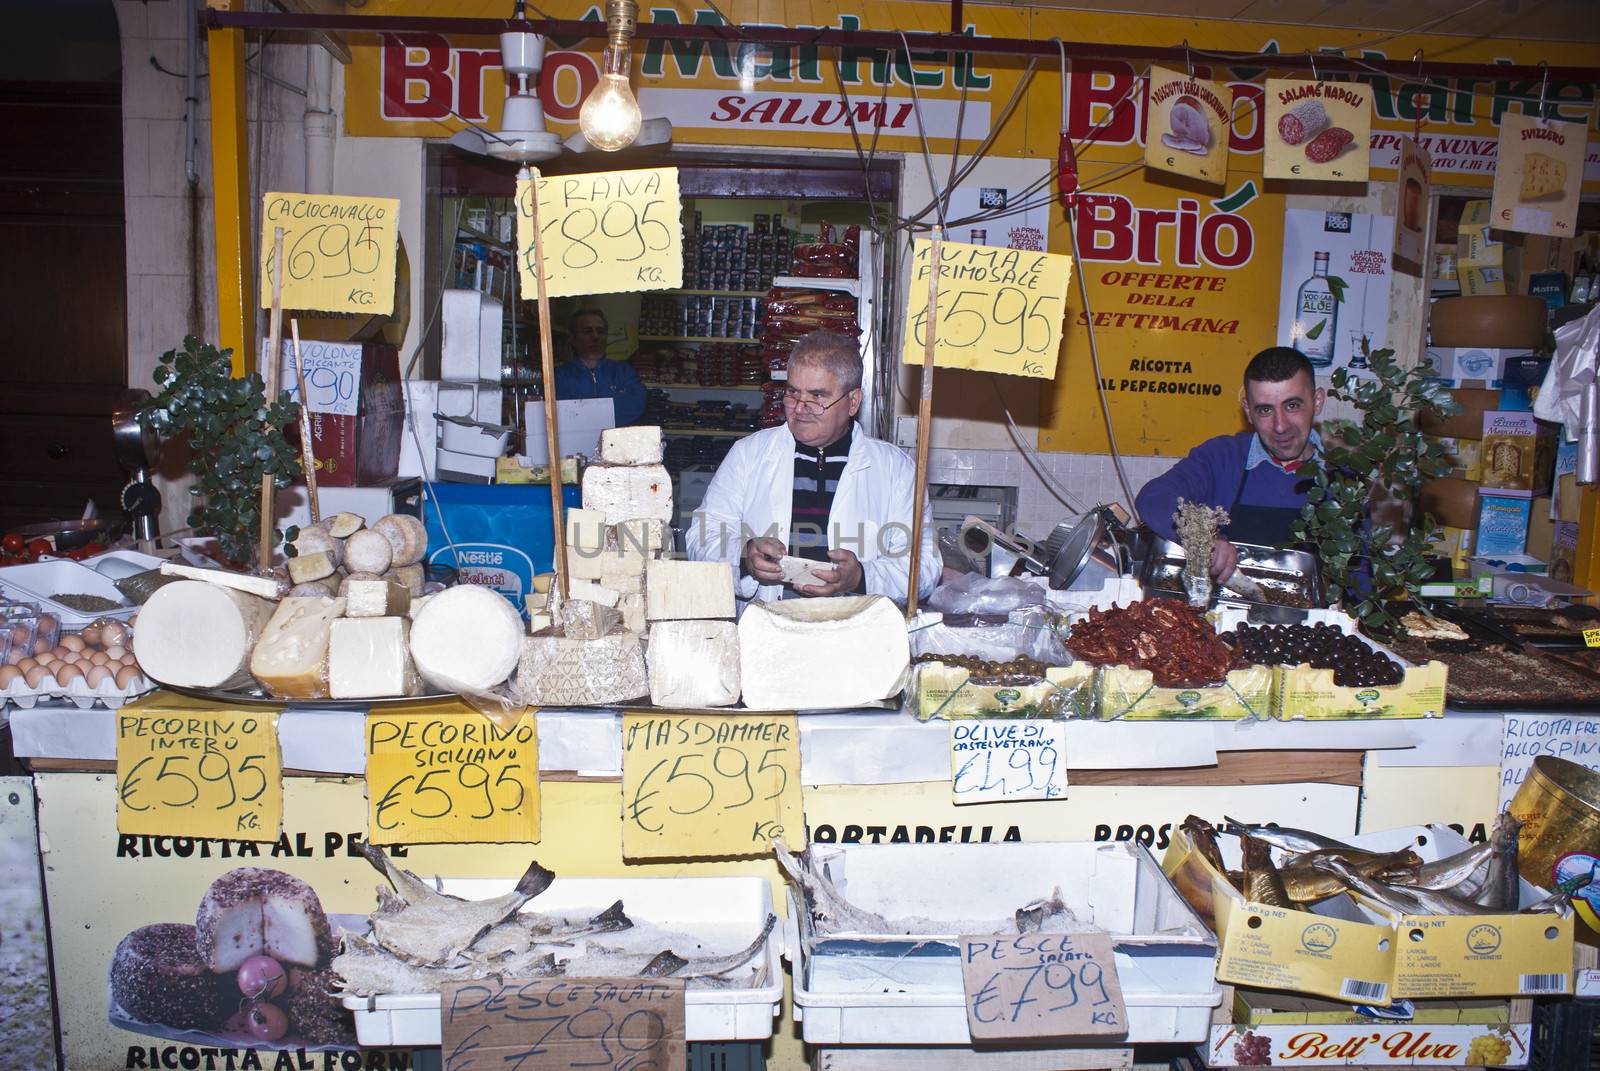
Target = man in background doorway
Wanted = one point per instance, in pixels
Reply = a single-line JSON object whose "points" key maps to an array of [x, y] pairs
{"points": [[590, 374]]}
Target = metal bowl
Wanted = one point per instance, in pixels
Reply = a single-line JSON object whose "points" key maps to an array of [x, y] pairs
{"points": [[71, 535]]}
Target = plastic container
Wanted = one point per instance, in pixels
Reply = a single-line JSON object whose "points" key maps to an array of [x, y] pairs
{"points": [[42, 580], [873, 989], [728, 910]]}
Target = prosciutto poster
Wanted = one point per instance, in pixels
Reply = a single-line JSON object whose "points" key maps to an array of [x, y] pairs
{"points": [[1189, 120]]}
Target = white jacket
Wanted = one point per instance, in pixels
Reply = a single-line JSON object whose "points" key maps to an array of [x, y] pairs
{"points": [[753, 491]]}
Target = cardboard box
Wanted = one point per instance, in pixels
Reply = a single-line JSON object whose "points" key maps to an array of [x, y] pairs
{"points": [[947, 691], [1541, 529], [1520, 382], [1464, 456], [1503, 518], [512, 470], [1563, 551], [1454, 544], [1565, 497], [1467, 424], [1310, 694], [1477, 243], [1261, 1007], [1452, 501], [1463, 365], [1519, 452], [1131, 694], [356, 400], [1479, 280]]}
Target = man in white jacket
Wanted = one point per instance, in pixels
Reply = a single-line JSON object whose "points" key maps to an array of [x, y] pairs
{"points": [[816, 487]]}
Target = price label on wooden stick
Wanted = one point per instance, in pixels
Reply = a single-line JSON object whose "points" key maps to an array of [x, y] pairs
{"points": [[1000, 310], [199, 774], [713, 785], [603, 233], [1042, 985], [552, 1024], [451, 778], [338, 252]]}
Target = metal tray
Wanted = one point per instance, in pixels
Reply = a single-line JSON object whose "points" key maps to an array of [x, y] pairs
{"points": [[1294, 572]]}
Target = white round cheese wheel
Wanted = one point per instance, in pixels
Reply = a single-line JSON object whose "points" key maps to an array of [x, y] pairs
{"points": [[197, 635], [466, 638]]}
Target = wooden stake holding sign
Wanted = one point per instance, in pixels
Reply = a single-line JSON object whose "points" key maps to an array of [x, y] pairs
{"points": [[924, 425], [274, 346], [308, 451], [547, 368]]}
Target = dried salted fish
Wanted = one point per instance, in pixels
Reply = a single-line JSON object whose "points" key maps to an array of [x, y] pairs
{"points": [[428, 928], [366, 969], [830, 911], [1413, 901], [1262, 882], [1284, 837], [1046, 916], [1501, 889], [668, 964], [1305, 882], [1453, 872]]}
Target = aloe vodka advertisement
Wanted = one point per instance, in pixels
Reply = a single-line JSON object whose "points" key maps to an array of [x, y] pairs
{"points": [[1333, 300]]}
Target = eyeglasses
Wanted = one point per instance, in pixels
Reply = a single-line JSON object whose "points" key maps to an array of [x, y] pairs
{"points": [[809, 405]]}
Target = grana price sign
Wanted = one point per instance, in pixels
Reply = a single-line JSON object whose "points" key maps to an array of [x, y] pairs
{"points": [[605, 233], [338, 252], [553, 1024], [715, 785], [451, 777], [199, 774], [1000, 310]]}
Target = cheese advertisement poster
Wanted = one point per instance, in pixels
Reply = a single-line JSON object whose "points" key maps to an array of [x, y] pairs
{"points": [[1189, 120], [1415, 192], [1317, 130], [1536, 181]]}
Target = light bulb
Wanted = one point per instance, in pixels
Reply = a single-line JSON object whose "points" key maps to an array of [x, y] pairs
{"points": [[610, 116]]}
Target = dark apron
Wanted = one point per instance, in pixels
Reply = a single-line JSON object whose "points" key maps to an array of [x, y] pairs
{"points": [[1265, 526]]}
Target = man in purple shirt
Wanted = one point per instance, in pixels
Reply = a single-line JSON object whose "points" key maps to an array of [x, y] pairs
{"points": [[1254, 475]]}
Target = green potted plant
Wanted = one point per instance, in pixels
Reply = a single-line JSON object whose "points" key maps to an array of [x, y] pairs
{"points": [[235, 438], [1381, 451]]}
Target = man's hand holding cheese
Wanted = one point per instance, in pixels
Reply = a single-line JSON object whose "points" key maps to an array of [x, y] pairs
{"points": [[816, 487]]}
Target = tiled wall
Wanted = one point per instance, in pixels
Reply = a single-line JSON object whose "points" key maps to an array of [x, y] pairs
{"points": [[1089, 479]]}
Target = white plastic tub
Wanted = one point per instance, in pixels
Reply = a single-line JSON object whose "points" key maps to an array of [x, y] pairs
{"points": [[38, 581], [869, 989], [728, 912]]}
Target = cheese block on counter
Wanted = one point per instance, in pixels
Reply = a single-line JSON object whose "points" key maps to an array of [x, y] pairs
{"points": [[639, 537], [817, 654], [632, 609], [628, 492], [581, 619], [315, 565], [264, 587], [694, 664], [685, 591], [376, 598], [193, 634], [466, 638], [410, 577], [631, 446], [561, 671], [369, 658], [291, 658]]}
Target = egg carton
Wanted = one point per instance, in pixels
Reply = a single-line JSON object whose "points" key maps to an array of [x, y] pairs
{"points": [[106, 694]]}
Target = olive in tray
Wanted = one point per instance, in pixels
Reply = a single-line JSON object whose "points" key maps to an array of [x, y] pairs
{"points": [[1321, 646]]}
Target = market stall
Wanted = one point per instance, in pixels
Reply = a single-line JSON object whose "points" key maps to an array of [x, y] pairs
{"points": [[493, 706]]}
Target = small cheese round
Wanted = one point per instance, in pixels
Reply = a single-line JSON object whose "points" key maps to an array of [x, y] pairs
{"points": [[315, 539], [407, 536], [466, 638], [368, 552]]}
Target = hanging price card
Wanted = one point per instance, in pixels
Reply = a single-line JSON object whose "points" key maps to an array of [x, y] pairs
{"points": [[201, 773], [1537, 175], [713, 785], [338, 252], [1190, 119], [604, 233], [1000, 310], [1318, 130], [553, 1024], [451, 777], [993, 759], [1042, 985]]}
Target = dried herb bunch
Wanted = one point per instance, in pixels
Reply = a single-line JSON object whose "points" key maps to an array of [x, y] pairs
{"points": [[236, 436], [1382, 450], [1197, 526]]}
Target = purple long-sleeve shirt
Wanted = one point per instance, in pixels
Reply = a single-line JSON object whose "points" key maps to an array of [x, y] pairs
{"points": [[1210, 475]]}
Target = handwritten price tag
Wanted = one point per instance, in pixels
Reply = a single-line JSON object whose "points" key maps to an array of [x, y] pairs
{"points": [[451, 778], [1007, 759], [338, 252], [709, 786], [199, 774], [610, 1024], [1042, 985], [1000, 310], [605, 233], [333, 375]]}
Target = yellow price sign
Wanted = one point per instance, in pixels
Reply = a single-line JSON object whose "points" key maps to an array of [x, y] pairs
{"points": [[1591, 637], [1000, 310], [338, 252], [199, 774], [451, 778], [709, 785], [605, 233]]}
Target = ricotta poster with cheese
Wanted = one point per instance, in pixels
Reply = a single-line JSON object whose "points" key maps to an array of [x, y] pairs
{"points": [[1187, 131], [1537, 176], [1317, 130]]}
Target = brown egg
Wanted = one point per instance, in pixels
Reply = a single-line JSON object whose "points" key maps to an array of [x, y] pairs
{"points": [[49, 658], [73, 643], [98, 659], [23, 636], [91, 635], [26, 664], [48, 622], [8, 675], [13, 657], [113, 634], [99, 675], [127, 677], [68, 673], [41, 646], [36, 676], [116, 653]]}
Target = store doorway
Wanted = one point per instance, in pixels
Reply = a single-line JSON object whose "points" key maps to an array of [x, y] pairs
{"points": [[63, 353]]}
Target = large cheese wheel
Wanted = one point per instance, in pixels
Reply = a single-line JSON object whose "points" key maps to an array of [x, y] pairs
{"points": [[197, 635], [1498, 321], [466, 638], [815, 654]]}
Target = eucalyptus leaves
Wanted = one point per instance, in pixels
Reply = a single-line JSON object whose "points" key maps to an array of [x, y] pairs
{"points": [[1383, 450], [236, 439]]}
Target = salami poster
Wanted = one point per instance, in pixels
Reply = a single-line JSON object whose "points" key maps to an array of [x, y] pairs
{"points": [[1318, 130], [1536, 183], [1189, 120]]}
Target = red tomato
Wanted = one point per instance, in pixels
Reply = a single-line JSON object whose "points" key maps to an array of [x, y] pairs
{"points": [[92, 549], [40, 546], [13, 543]]}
